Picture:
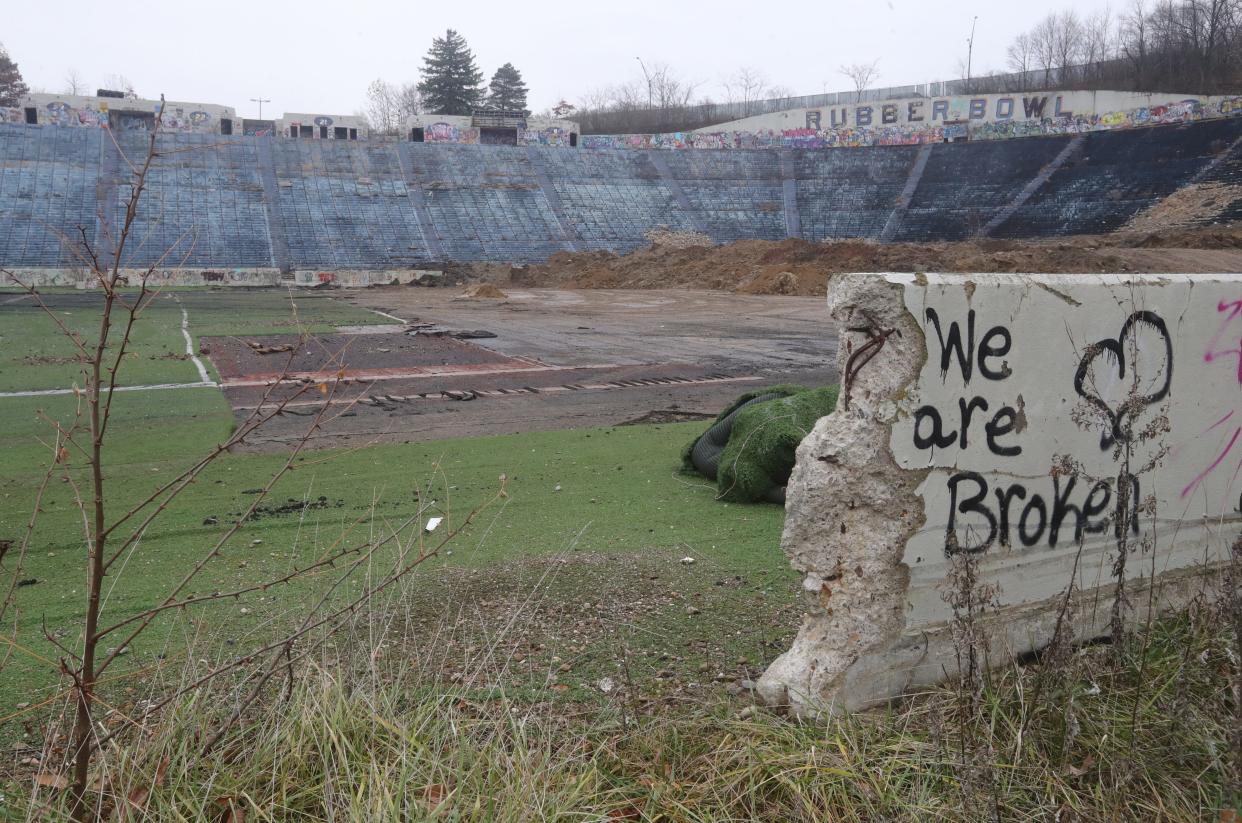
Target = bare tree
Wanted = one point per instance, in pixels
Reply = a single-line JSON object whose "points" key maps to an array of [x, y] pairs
{"points": [[745, 86], [382, 108], [670, 91], [1190, 45], [75, 83], [388, 106], [1044, 43], [862, 75], [1134, 37], [121, 83], [597, 99], [1098, 38], [633, 95], [1020, 57], [111, 535], [660, 100], [1067, 44], [1217, 21], [410, 99]]}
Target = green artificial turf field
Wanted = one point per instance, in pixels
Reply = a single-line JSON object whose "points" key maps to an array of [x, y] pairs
{"points": [[601, 503]]}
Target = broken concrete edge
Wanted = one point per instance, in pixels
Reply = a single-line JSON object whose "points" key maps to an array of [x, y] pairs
{"points": [[906, 663], [849, 508], [852, 511], [78, 278]]}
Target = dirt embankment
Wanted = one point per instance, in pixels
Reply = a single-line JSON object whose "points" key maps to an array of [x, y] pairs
{"points": [[802, 268]]}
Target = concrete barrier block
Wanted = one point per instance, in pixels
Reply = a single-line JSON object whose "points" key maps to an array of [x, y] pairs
{"points": [[1053, 435]]}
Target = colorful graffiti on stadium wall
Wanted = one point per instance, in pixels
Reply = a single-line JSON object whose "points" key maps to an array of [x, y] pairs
{"points": [[448, 133], [908, 134], [442, 132], [176, 118], [866, 125], [551, 136], [771, 139], [127, 114], [1180, 112]]}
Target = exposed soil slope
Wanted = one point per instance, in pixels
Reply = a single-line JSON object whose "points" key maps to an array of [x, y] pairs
{"points": [[803, 268]]}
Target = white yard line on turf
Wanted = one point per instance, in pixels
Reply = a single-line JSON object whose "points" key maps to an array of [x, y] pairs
{"points": [[389, 316], [204, 377], [205, 381], [154, 387]]}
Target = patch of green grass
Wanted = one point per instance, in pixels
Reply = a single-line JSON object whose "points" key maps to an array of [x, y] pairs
{"points": [[590, 491], [1140, 733], [35, 355], [586, 493], [34, 358], [271, 312]]}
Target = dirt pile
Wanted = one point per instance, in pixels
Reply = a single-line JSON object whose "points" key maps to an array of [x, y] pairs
{"points": [[1211, 237], [802, 268], [677, 239], [483, 291], [1188, 206]]}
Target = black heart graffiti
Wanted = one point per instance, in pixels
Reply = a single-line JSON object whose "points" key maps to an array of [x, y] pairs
{"points": [[1143, 331]]}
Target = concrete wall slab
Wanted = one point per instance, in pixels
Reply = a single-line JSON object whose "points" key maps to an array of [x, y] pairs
{"points": [[1036, 427]]}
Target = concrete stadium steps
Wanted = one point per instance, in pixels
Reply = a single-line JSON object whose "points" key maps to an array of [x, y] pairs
{"points": [[342, 208], [964, 185], [462, 183], [733, 197], [204, 207], [240, 202], [48, 182], [1225, 170], [1108, 181], [847, 193], [612, 198]]}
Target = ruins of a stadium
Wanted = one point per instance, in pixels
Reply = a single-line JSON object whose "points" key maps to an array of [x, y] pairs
{"points": [[246, 209]]}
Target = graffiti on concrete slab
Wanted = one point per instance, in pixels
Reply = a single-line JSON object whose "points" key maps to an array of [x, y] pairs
{"points": [[123, 114], [442, 132], [553, 136], [929, 121], [1046, 443], [1081, 480]]}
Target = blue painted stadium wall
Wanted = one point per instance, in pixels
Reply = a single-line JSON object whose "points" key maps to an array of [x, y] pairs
{"points": [[241, 202]]}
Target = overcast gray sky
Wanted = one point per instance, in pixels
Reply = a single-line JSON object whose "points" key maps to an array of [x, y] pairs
{"points": [[318, 56]]}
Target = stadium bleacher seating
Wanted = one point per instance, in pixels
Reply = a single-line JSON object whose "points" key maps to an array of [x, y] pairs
{"points": [[236, 201]]}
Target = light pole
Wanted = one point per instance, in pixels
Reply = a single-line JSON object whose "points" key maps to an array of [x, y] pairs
{"points": [[648, 78], [260, 101], [970, 51]]}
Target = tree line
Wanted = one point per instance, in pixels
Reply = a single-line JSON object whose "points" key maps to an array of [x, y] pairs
{"points": [[657, 100], [1190, 46], [13, 87], [450, 83]]}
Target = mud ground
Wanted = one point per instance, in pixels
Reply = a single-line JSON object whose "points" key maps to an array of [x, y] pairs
{"points": [[559, 359]]}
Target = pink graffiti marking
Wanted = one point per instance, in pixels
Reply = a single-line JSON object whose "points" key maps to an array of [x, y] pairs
{"points": [[1234, 312], [1237, 432]]}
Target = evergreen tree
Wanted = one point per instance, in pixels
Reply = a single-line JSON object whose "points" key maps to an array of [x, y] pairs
{"points": [[12, 87], [507, 91], [450, 83]]}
